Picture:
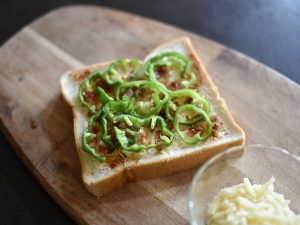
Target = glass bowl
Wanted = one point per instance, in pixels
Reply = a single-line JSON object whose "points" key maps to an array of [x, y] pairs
{"points": [[228, 168]]}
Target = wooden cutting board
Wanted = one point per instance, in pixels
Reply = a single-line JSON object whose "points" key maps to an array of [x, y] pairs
{"points": [[38, 122]]}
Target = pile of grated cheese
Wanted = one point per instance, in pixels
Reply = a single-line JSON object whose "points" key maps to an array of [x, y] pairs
{"points": [[247, 204]]}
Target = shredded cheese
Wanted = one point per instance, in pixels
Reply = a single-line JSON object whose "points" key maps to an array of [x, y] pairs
{"points": [[247, 204]]}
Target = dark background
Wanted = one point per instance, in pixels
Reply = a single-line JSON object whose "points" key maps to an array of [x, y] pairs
{"points": [[267, 30]]}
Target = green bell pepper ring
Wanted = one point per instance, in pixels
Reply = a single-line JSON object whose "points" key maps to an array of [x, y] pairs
{"points": [[139, 91], [87, 86], [91, 95], [186, 95], [152, 122], [103, 96], [108, 112], [168, 60], [90, 136], [191, 79], [123, 70], [180, 119]]}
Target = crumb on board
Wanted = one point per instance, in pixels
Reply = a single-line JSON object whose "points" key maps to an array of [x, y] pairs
{"points": [[33, 123]]}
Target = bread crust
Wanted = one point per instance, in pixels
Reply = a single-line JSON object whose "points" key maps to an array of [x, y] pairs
{"points": [[145, 169]]}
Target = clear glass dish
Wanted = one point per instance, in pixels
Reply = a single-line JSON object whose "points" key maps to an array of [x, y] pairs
{"points": [[258, 163]]}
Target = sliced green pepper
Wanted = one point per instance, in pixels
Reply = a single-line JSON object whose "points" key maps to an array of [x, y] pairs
{"points": [[108, 112], [159, 67], [103, 96], [91, 94], [169, 59], [87, 88], [89, 136], [181, 119], [124, 138], [182, 97], [156, 96], [123, 70]]}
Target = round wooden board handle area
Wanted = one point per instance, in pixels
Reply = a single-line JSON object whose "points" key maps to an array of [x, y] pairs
{"points": [[38, 122]]}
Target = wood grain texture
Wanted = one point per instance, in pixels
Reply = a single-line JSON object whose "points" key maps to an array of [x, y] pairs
{"points": [[38, 122]]}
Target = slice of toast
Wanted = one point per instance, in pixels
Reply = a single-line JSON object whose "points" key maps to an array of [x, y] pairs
{"points": [[99, 178]]}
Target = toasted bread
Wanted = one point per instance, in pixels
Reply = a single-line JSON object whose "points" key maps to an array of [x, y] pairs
{"points": [[99, 178]]}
